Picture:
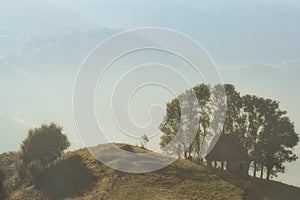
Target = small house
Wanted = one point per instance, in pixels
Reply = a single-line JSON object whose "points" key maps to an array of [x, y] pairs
{"points": [[230, 154]]}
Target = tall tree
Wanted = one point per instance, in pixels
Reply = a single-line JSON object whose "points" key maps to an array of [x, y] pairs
{"points": [[277, 140], [234, 121], [265, 130], [170, 126], [254, 111], [182, 116], [204, 108], [229, 107]]}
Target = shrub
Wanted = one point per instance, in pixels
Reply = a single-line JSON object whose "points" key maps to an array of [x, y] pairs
{"points": [[34, 170], [45, 143], [2, 189]]}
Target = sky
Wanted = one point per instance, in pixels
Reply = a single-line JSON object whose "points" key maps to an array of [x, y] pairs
{"points": [[254, 43]]}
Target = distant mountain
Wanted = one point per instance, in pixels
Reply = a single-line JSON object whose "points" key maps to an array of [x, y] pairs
{"points": [[79, 176]]}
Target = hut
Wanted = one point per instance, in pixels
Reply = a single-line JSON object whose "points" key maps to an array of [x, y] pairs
{"points": [[229, 153]]}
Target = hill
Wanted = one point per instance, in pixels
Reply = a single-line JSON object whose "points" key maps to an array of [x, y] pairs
{"points": [[78, 175]]}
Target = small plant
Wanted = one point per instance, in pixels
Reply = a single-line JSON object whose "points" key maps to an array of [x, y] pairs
{"points": [[144, 141]]}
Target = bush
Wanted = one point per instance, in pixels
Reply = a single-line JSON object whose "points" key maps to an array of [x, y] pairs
{"points": [[45, 143], [2, 189], [34, 170]]}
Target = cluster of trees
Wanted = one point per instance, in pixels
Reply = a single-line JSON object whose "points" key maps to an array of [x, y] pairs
{"points": [[40, 149], [264, 129]]}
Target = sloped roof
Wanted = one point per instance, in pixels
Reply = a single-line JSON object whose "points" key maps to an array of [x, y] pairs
{"points": [[228, 148]]}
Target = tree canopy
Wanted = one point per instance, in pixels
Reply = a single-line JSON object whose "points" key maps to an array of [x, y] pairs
{"points": [[45, 144], [263, 128]]}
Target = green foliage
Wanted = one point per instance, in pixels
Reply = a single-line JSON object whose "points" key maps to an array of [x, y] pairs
{"points": [[254, 108], [211, 110], [10, 180], [2, 189], [170, 127], [270, 136], [34, 170], [264, 129], [186, 145], [21, 171], [45, 143], [69, 177], [144, 141], [276, 143], [234, 120]]}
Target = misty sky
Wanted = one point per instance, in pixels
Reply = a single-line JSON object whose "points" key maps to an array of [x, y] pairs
{"points": [[255, 44]]}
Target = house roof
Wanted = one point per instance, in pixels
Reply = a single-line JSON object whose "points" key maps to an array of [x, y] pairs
{"points": [[228, 148]]}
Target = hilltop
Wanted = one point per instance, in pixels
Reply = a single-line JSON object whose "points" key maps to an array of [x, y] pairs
{"points": [[78, 175]]}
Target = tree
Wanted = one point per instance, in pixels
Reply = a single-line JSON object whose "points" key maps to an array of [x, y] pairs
{"points": [[234, 120], [253, 107], [200, 142], [277, 140], [170, 127], [2, 189], [181, 121], [144, 141], [45, 143], [268, 129], [264, 129]]}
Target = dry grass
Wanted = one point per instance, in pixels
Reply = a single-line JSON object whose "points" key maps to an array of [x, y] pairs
{"points": [[78, 175]]}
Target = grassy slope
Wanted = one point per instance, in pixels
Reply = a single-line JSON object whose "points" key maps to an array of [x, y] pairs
{"points": [[79, 176]]}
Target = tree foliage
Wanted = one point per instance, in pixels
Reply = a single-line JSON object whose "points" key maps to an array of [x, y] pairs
{"points": [[144, 140], [186, 145], [2, 189], [264, 129], [45, 143], [253, 108], [34, 170]]}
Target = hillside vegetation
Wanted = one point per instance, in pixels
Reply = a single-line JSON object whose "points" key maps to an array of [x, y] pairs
{"points": [[78, 175]]}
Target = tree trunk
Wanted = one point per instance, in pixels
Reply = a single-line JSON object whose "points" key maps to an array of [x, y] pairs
{"points": [[198, 159], [222, 165], [268, 173], [254, 168], [190, 152], [215, 164], [254, 159], [185, 154], [262, 171]]}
